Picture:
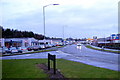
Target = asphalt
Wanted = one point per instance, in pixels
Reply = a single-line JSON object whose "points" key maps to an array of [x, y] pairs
{"points": [[92, 57]]}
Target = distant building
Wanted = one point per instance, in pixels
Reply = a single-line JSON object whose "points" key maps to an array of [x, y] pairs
{"points": [[115, 38], [17, 42], [103, 40], [94, 37], [94, 42], [89, 40]]}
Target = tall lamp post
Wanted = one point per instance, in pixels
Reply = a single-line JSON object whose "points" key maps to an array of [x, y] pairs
{"points": [[44, 20], [64, 34]]}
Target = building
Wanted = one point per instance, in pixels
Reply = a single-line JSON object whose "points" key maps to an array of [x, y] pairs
{"points": [[115, 38], [25, 42], [89, 41], [17, 42], [95, 41]]}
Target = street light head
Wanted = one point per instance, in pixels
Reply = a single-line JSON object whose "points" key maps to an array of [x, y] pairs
{"points": [[55, 4]]}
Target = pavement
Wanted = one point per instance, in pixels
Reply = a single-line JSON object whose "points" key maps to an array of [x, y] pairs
{"points": [[104, 48]]}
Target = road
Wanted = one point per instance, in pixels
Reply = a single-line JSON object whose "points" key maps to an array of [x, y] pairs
{"points": [[83, 55], [92, 57], [91, 54]]}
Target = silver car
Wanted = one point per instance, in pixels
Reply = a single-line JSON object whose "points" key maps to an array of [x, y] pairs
{"points": [[13, 50], [4, 50], [22, 49], [42, 46]]}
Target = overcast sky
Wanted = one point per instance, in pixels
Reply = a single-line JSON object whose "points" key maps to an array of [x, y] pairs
{"points": [[80, 18]]}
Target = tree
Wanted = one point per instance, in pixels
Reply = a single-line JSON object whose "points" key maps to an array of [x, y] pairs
{"points": [[8, 33]]}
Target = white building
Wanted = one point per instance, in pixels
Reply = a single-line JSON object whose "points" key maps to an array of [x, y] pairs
{"points": [[8, 42], [24, 42]]}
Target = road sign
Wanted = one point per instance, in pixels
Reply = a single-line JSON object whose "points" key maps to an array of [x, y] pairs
{"points": [[53, 58]]}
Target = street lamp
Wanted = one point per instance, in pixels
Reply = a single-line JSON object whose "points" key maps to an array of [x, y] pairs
{"points": [[44, 20], [64, 34]]}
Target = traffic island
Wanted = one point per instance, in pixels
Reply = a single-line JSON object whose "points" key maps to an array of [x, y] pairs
{"points": [[50, 72]]}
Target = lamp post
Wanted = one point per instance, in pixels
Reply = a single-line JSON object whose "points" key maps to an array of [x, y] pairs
{"points": [[64, 34], [44, 20]]}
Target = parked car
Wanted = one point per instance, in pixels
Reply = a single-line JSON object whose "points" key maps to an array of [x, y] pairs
{"points": [[36, 48], [48, 45], [53, 45], [60, 44], [4, 50], [42, 46], [30, 48], [22, 49], [13, 50]]}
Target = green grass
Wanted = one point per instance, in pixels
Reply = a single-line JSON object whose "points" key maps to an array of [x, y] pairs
{"points": [[40, 51], [88, 46], [78, 70], [26, 68], [31, 52], [61, 46]]}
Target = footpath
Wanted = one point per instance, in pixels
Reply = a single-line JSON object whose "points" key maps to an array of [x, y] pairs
{"points": [[104, 48]]}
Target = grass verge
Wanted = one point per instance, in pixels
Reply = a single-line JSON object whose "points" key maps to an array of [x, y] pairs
{"points": [[26, 68], [61, 46], [88, 46], [54, 49], [30, 52]]}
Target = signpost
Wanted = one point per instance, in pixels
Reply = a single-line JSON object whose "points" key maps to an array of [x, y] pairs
{"points": [[53, 58]]}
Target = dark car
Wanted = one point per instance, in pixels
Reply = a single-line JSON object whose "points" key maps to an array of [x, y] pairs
{"points": [[30, 48]]}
